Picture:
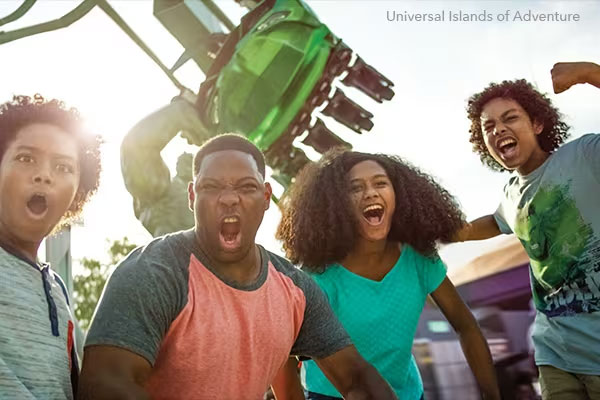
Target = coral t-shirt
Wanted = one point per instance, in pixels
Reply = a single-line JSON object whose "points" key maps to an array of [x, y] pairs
{"points": [[207, 338]]}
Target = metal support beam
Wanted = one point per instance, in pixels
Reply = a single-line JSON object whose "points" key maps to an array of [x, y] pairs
{"points": [[58, 254], [103, 4], [76, 14], [219, 14], [18, 13]]}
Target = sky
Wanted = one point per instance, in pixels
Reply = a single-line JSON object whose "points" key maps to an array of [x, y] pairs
{"points": [[435, 67]]}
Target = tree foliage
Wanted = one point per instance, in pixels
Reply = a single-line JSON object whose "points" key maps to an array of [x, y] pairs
{"points": [[88, 286]]}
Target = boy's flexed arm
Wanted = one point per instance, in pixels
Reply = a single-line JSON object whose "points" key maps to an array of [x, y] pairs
{"points": [[567, 74], [481, 228]]}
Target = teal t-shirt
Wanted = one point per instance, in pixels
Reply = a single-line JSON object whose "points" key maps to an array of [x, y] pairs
{"points": [[381, 319], [555, 213]]}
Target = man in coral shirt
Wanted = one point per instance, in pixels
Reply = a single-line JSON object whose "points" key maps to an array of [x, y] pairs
{"points": [[209, 314]]}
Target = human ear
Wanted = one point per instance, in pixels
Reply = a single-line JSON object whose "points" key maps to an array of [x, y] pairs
{"points": [[268, 194], [79, 195], [538, 127], [191, 195]]}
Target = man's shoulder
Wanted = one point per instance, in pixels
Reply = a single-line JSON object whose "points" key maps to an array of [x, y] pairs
{"points": [[165, 243], [280, 263], [163, 253]]}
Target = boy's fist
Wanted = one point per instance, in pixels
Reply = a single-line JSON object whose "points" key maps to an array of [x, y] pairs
{"points": [[565, 75]]}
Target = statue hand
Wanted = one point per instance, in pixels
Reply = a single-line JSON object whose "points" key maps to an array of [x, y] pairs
{"points": [[192, 127]]}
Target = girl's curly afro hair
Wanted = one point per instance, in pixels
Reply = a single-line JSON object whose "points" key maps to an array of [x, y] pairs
{"points": [[319, 227]]}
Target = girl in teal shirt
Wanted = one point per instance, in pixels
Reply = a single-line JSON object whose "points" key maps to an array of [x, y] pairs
{"points": [[365, 226]]}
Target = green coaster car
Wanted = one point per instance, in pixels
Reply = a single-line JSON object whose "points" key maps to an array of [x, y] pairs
{"points": [[272, 72]]}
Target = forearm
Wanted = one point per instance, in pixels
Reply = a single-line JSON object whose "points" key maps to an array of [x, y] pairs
{"points": [[567, 74], [479, 229], [354, 377], [156, 130], [109, 388], [480, 361], [593, 75], [368, 384], [286, 385]]}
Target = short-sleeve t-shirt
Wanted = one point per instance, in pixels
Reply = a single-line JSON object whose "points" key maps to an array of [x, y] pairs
{"points": [[555, 212], [37, 358], [205, 337], [381, 318]]}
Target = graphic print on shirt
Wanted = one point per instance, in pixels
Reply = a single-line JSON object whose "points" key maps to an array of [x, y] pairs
{"points": [[564, 253]]}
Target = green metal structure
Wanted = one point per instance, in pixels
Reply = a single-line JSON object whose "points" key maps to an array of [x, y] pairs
{"points": [[273, 77]]}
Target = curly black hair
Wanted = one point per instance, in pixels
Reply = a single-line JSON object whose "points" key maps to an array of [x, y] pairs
{"points": [[318, 225], [22, 111], [537, 105]]}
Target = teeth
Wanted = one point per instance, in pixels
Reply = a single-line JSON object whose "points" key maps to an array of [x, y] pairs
{"points": [[373, 207], [506, 141], [231, 220]]}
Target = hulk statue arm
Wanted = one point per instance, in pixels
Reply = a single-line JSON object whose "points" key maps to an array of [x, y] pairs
{"points": [[145, 173]]}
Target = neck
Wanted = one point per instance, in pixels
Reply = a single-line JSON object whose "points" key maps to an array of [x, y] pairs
{"points": [[243, 271], [534, 162], [27, 249], [372, 259]]}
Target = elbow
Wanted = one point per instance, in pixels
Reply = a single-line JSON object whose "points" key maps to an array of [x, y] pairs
{"points": [[128, 146], [466, 325], [127, 154]]}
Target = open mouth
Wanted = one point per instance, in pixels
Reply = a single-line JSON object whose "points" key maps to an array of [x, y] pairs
{"points": [[230, 234], [37, 204], [373, 214], [507, 147]]}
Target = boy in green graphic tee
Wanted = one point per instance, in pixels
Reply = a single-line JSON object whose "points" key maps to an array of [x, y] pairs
{"points": [[552, 204], [365, 226]]}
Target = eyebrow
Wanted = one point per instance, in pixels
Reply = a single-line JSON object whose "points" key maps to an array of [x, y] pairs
{"points": [[489, 121], [505, 113], [372, 177], [37, 150], [237, 182], [247, 178]]}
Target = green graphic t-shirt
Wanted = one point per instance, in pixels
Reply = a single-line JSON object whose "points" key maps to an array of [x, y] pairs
{"points": [[555, 213]]}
